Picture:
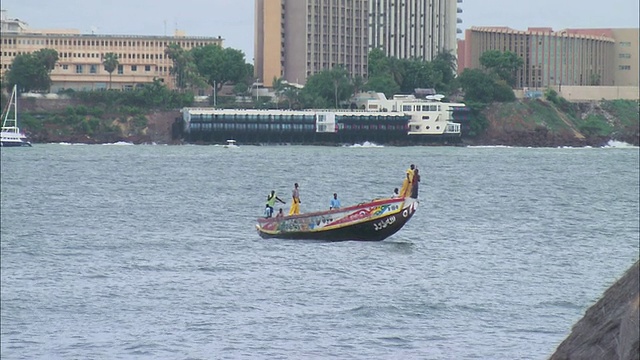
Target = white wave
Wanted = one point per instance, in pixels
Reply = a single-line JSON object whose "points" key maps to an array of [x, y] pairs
{"points": [[366, 144], [119, 143], [619, 144], [489, 146], [69, 144]]}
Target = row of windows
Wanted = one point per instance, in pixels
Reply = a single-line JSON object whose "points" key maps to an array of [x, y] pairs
{"points": [[67, 55], [93, 69], [372, 127], [624, 67], [109, 43], [265, 127], [421, 108], [288, 127], [252, 118]]}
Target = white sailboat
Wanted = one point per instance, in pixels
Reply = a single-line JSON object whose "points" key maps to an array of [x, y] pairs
{"points": [[10, 134]]}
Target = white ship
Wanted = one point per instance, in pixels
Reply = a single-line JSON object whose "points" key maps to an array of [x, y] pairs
{"points": [[429, 116]]}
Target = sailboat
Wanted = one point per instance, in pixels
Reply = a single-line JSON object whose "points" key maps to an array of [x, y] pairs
{"points": [[10, 134]]}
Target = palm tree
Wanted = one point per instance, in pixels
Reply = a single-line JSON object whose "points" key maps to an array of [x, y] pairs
{"points": [[110, 62]]}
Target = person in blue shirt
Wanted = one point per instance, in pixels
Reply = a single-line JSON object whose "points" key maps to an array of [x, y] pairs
{"points": [[335, 203]]}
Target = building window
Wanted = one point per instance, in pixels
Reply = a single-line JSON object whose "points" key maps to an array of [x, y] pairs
{"points": [[134, 67], [78, 69], [625, 44], [93, 69], [65, 67], [120, 69], [624, 56], [147, 68], [624, 67]]}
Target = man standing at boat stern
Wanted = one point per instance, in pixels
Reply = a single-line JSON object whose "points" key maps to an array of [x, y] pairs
{"points": [[295, 203]]}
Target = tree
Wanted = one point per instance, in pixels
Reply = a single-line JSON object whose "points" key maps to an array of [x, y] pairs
{"points": [[384, 84], [482, 87], [505, 64], [219, 66], [332, 86], [32, 71], [446, 64], [110, 62], [378, 63]]}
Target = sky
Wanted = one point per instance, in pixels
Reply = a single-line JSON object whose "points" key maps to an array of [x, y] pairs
{"points": [[233, 20]]}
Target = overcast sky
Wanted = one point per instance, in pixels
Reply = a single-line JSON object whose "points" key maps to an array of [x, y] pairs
{"points": [[233, 19]]}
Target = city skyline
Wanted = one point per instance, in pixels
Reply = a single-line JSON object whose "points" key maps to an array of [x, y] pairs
{"points": [[234, 20]]}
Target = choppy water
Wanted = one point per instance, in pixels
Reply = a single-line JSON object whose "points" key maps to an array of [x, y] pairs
{"points": [[119, 252]]}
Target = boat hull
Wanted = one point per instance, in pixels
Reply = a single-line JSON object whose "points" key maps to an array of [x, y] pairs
{"points": [[14, 143], [372, 228]]}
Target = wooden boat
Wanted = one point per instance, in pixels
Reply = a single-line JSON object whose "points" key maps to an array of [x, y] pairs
{"points": [[372, 221], [10, 134]]}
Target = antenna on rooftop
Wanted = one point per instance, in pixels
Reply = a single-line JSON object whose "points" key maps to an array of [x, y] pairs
{"points": [[94, 29]]}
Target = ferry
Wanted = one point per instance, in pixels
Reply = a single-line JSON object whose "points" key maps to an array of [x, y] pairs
{"points": [[404, 119]]}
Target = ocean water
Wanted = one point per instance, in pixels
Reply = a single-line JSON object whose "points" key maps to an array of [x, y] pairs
{"points": [[150, 252]]}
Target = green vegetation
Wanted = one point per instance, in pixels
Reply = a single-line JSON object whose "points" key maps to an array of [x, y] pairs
{"points": [[110, 63], [150, 96], [502, 64], [31, 71]]}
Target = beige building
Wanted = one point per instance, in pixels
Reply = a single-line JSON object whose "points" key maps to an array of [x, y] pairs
{"points": [[407, 29], [79, 67], [626, 57], [569, 57], [295, 38]]}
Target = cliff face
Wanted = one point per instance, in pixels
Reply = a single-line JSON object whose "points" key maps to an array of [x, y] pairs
{"points": [[536, 122], [609, 328]]}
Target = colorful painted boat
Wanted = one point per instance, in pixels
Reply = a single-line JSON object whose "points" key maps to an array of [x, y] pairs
{"points": [[372, 221]]}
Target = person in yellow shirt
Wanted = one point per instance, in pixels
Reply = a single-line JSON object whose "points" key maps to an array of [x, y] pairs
{"points": [[407, 182], [295, 204]]}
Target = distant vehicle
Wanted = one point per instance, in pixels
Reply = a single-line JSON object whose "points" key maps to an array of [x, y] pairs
{"points": [[230, 144]]}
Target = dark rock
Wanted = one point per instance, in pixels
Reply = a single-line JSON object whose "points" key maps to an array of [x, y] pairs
{"points": [[609, 328]]}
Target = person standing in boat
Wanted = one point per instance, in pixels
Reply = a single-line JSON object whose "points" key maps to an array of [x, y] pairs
{"points": [[271, 201], [295, 203], [335, 203], [415, 182], [407, 182], [280, 214]]}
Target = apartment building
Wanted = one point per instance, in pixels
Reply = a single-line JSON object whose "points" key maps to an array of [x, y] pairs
{"points": [[295, 39], [142, 58], [419, 29], [577, 57]]}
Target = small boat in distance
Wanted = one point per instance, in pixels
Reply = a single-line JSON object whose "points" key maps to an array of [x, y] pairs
{"points": [[10, 135], [230, 144], [372, 221]]}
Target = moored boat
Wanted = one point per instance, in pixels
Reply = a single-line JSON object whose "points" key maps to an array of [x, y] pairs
{"points": [[372, 221], [10, 135]]}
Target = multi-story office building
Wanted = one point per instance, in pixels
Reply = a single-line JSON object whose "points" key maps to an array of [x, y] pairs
{"points": [[568, 57], [414, 28], [141, 58], [296, 38]]}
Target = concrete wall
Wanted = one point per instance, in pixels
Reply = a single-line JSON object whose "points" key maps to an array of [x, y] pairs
{"points": [[586, 93]]}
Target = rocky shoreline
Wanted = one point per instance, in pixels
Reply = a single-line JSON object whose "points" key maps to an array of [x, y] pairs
{"points": [[609, 328]]}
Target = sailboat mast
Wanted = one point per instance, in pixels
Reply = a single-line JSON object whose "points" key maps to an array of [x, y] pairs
{"points": [[15, 105]]}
